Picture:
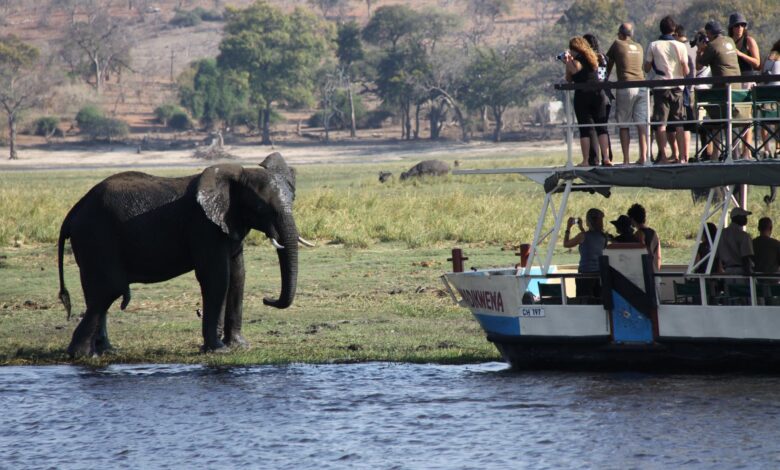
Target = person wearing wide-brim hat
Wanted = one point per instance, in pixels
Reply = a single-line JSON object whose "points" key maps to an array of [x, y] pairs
{"points": [[625, 230], [748, 54], [735, 249], [749, 59]]}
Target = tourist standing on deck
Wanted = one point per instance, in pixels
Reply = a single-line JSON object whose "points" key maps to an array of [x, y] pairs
{"points": [[766, 248], [718, 52], [669, 60], [626, 55], [749, 60], [735, 249], [688, 127], [591, 244], [648, 236], [601, 73], [771, 66], [590, 106]]}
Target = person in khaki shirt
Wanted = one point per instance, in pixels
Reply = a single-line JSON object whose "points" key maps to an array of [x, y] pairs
{"points": [[626, 56], [719, 52]]}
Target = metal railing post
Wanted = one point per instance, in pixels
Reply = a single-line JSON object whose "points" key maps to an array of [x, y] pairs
{"points": [[569, 131], [729, 126], [648, 134]]}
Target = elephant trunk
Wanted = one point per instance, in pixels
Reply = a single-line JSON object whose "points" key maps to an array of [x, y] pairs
{"points": [[288, 261]]}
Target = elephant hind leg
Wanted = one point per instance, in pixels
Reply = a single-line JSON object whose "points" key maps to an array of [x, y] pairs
{"points": [[102, 344], [90, 337]]}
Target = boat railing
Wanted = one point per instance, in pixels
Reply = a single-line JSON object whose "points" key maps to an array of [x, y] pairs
{"points": [[687, 289], [724, 289], [720, 99]]}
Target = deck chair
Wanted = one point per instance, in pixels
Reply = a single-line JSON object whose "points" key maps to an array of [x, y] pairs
{"points": [[687, 292], [713, 102], [766, 104], [550, 294]]}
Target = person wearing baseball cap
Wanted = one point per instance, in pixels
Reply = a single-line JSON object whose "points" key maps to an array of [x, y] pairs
{"points": [[735, 249], [718, 51]]}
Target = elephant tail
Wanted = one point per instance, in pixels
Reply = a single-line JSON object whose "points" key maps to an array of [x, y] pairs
{"points": [[63, 295], [125, 299]]}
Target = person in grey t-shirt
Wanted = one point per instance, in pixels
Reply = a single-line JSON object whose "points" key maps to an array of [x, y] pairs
{"points": [[591, 244]]}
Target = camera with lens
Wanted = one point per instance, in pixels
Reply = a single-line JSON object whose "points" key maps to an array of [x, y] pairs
{"points": [[699, 38], [561, 56]]}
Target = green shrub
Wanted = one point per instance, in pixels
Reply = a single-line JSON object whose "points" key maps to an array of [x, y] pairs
{"points": [[164, 113], [88, 116], [108, 129], [374, 119], [208, 15], [46, 126], [185, 19], [180, 121]]}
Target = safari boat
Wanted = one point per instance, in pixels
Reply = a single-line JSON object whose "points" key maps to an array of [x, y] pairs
{"points": [[671, 319]]}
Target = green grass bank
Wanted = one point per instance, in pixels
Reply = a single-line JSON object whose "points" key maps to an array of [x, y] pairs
{"points": [[370, 290]]}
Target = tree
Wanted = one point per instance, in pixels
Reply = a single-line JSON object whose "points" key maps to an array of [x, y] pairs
{"points": [[496, 79], [391, 23], [326, 6], [103, 42], [23, 83], [211, 94], [278, 51], [483, 14], [349, 51], [598, 17], [403, 69]]}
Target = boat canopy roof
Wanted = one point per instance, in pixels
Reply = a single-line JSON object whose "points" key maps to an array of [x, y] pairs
{"points": [[691, 176]]}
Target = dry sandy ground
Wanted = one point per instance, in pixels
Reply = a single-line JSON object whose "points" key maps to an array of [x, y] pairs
{"points": [[297, 154]]}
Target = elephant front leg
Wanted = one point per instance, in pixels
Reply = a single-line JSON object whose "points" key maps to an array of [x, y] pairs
{"points": [[213, 286], [234, 304]]}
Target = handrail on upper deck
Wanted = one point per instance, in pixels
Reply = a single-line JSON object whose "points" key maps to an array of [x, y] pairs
{"points": [[612, 85], [724, 83]]}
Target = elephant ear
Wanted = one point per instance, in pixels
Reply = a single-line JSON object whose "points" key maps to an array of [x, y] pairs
{"points": [[213, 192]]}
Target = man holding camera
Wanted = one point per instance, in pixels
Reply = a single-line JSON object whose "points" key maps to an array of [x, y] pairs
{"points": [[631, 103], [717, 51]]}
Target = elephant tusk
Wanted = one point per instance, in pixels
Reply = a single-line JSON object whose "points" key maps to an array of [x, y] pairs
{"points": [[276, 244], [305, 242]]}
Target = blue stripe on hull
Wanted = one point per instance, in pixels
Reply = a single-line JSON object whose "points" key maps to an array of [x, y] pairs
{"points": [[629, 324], [497, 324]]}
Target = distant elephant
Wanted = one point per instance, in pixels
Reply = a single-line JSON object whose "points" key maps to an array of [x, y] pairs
{"points": [[427, 168], [134, 227]]}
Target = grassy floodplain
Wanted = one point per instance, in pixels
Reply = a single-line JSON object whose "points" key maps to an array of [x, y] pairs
{"points": [[370, 290]]}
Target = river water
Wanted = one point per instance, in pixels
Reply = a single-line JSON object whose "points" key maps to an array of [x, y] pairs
{"points": [[382, 416]]}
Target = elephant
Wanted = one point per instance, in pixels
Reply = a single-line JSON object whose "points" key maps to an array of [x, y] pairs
{"points": [[427, 167], [137, 228]]}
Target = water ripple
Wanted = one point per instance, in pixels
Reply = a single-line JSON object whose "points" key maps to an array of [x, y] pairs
{"points": [[382, 416]]}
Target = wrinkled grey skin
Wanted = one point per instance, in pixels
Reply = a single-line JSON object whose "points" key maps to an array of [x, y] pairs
{"points": [[384, 176], [134, 227], [427, 168]]}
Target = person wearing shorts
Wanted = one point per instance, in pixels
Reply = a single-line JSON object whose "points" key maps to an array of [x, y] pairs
{"points": [[688, 127], [669, 60], [626, 55]]}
